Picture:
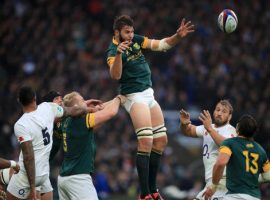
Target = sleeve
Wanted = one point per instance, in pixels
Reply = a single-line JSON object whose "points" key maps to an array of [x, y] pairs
{"points": [[111, 52], [90, 120], [200, 131], [22, 133], [142, 40], [58, 111], [225, 147]]}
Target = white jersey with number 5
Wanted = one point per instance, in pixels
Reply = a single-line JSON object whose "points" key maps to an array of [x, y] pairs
{"points": [[210, 149], [37, 126]]}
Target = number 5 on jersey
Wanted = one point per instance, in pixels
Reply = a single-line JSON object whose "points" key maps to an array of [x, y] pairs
{"points": [[46, 136]]}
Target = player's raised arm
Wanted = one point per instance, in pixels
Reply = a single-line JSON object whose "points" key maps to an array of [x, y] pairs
{"points": [[169, 42], [185, 124]]}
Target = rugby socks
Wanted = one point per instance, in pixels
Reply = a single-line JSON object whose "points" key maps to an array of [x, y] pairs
{"points": [[142, 163], [154, 164]]}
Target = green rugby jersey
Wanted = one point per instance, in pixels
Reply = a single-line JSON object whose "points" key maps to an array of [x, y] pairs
{"points": [[248, 159], [136, 74], [79, 145], [57, 139]]}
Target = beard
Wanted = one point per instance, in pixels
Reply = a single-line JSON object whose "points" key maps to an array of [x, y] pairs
{"points": [[218, 122]]}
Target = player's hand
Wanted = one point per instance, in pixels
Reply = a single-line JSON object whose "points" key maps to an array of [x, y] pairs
{"points": [[33, 195], [185, 28], [206, 119], [123, 46], [16, 168], [122, 99], [209, 193], [184, 117]]}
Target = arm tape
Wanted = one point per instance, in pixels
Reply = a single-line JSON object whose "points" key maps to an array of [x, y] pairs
{"points": [[163, 45]]}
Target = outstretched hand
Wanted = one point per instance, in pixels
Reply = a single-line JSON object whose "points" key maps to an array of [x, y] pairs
{"points": [[206, 119], [184, 117], [185, 28], [94, 105]]}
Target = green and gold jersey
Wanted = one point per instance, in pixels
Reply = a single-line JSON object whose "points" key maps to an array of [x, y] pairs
{"points": [[79, 145], [136, 74], [248, 159], [57, 139]]}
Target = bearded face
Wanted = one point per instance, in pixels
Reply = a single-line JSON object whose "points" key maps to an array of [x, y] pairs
{"points": [[222, 115]]}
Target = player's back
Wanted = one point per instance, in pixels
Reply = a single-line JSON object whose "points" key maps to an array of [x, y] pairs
{"points": [[245, 165], [37, 127], [79, 146]]}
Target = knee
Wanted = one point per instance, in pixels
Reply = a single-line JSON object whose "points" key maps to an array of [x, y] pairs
{"points": [[160, 137]]}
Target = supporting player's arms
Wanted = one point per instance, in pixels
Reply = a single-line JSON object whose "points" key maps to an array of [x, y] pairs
{"points": [[75, 111], [29, 162], [111, 108], [185, 124]]}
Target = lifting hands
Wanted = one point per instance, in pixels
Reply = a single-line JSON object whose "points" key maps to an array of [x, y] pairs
{"points": [[185, 28]]}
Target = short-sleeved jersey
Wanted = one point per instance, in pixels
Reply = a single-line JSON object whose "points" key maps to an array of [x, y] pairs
{"points": [[79, 145], [37, 126], [248, 159], [210, 148], [136, 74]]}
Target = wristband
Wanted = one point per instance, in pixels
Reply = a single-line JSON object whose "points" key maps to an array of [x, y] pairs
{"points": [[13, 163]]}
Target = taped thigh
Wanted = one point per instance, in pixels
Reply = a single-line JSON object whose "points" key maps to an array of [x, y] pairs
{"points": [[159, 131], [145, 132]]}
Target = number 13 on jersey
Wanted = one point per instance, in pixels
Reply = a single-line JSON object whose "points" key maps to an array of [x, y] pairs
{"points": [[251, 162]]}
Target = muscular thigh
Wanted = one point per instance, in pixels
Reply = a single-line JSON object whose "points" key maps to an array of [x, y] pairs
{"points": [[140, 115], [157, 117]]}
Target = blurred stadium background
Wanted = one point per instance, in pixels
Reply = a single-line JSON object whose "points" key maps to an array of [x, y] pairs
{"points": [[60, 45]]}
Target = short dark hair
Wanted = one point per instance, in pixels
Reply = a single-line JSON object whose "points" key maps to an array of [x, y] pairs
{"points": [[121, 21], [49, 97], [226, 103], [247, 126], [26, 95]]}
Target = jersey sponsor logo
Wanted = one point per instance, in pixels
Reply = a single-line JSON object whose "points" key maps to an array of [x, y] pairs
{"points": [[249, 145], [136, 46], [205, 151]]}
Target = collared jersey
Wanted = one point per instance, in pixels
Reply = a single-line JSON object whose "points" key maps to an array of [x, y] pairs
{"points": [[136, 74], [78, 144], [210, 148], [248, 159], [37, 126]]}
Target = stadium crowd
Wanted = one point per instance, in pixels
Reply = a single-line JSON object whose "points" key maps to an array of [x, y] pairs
{"points": [[61, 45]]}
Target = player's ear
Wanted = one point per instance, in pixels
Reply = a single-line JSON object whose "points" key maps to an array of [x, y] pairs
{"points": [[230, 117], [116, 33]]}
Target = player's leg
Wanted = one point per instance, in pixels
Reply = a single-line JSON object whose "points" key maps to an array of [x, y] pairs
{"points": [[18, 187], [159, 143], [46, 190], [78, 187], [141, 119]]}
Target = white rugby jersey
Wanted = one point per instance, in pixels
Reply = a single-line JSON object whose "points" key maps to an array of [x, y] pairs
{"points": [[37, 126], [210, 149]]}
